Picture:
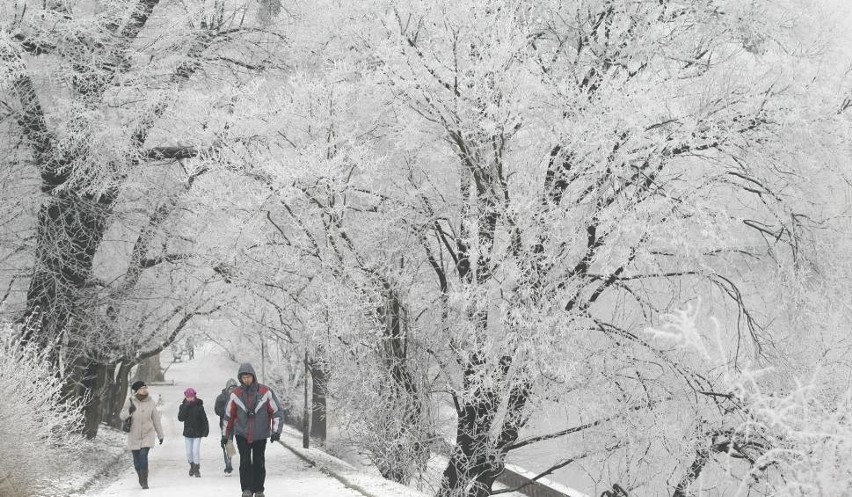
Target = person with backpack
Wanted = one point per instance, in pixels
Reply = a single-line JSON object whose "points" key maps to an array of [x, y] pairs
{"points": [[144, 417], [195, 427], [219, 409], [252, 415]]}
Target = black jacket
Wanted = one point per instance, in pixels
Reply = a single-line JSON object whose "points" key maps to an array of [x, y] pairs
{"points": [[221, 401], [194, 419]]}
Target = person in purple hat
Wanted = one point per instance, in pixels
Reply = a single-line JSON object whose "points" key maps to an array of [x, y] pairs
{"points": [[195, 427]]}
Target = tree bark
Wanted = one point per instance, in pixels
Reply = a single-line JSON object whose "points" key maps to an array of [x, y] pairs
{"points": [[306, 413], [118, 378], [478, 458], [406, 450], [94, 384], [70, 229], [319, 417]]}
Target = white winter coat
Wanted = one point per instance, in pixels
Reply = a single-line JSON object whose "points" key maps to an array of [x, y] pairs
{"points": [[146, 422]]}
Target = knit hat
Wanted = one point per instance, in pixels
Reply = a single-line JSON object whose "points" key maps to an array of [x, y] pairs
{"points": [[230, 383], [189, 393], [137, 385]]}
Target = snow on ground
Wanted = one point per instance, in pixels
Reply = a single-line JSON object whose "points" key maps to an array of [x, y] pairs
{"points": [[99, 464], [291, 470]]}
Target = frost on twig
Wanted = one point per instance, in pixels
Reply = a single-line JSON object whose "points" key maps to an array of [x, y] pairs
{"points": [[34, 419], [680, 330], [796, 438]]}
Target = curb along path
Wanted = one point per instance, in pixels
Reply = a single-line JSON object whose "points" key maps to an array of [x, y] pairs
{"points": [[364, 484]]}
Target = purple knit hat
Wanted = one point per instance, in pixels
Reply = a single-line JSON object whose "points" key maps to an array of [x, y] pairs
{"points": [[189, 393]]}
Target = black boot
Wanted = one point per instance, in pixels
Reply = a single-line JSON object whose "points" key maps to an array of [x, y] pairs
{"points": [[143, 478], [191, 469], [139, 475], [198, 470]]}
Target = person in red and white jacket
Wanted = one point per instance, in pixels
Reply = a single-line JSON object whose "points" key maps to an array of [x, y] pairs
{"points": [[252, 415]]}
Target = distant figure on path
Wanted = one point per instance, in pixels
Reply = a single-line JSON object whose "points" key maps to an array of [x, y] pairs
{"points": [[219, 409], [190, 347], [195, 427], [145, 421], [252, 414]]}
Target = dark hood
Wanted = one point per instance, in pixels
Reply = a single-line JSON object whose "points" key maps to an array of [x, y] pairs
{"points": [[246, 368], [229, 384]]}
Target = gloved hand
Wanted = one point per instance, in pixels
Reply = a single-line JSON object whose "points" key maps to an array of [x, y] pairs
{"points": [[275, 437], [224, 441], [161, 441], [132, 408]]}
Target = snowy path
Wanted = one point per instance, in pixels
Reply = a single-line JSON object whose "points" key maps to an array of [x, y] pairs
{"points": [[287, 474]]}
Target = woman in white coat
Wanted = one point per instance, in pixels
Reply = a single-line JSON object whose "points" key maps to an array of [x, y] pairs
{"points": [[145, 423]]}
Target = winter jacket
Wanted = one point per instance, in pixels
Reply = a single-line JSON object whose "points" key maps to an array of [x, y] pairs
{"points": [[194, 419], [253, 411], [145, 422]]}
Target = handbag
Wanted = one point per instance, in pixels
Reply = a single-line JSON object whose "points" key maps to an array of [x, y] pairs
{"points": [[230, 449]]}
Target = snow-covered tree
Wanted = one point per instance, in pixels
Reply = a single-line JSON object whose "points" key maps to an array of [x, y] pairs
{"points": [[555, 176], [103, 94], [477, 204], [581, 167]]}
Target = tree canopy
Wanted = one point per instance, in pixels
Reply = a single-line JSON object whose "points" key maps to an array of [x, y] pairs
{"points": [[469, 214]]}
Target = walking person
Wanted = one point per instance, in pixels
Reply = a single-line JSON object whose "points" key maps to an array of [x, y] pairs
{"points": [[190, 347], [252, 415], [219, 409], [195, 427], [144, 424]]}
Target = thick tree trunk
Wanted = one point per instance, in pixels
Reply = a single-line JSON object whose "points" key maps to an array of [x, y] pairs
{"points": [[472, 465], [405, 449], [118, 377], [319, 410], [93, 385], [69, 232], [478, 458], [306, 413], [108, 398], [70, 229]]}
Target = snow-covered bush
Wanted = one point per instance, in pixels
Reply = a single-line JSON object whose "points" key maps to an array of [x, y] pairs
{"points": [[37, 428], [793, 440]]}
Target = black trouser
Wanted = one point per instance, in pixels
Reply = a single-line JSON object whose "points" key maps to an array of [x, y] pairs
{"points": [[252, 464], [140, 459]]}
